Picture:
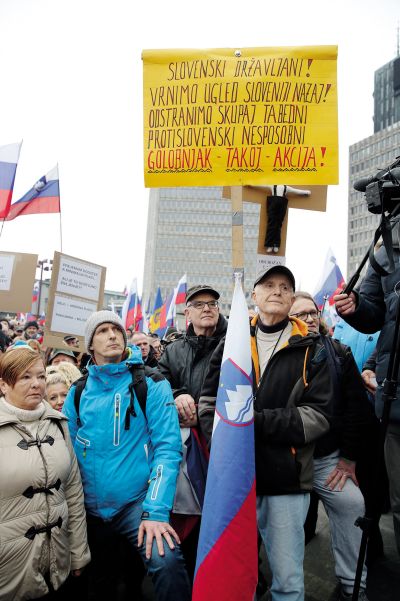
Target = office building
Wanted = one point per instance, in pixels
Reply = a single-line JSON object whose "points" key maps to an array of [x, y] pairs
{"points": [[387, 95], [370, 155], [189, 230]]}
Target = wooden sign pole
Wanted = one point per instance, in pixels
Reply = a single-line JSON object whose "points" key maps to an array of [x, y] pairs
{"points": [[315, 202], [236, 193]]}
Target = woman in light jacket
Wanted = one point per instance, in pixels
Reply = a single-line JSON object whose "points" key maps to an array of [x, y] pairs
{"points": [[42, 515]]}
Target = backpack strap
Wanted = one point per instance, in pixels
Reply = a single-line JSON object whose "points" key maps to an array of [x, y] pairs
{"points": [[79, 386], [137, 387], [335, 364], [59, 426]]}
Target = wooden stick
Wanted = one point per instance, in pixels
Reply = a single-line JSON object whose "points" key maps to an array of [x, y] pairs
{"points": [[237, 230]]}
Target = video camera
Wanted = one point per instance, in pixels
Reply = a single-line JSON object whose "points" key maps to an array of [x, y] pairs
{"points": [[382, 191]]}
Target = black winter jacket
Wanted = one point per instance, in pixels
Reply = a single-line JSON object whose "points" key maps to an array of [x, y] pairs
{"points": [[184, 362], [292, 403], [352, 415], [376, 310]]}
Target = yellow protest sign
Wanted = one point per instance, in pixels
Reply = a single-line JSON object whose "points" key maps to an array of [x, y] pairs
{"points": [[240, 117]]}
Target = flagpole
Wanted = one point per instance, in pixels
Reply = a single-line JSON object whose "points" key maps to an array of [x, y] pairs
{"points": [[59, 192], [324, 305], [2, 225]]}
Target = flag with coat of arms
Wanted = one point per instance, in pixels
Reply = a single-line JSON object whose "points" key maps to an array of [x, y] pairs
{"points": [[227, 556]]}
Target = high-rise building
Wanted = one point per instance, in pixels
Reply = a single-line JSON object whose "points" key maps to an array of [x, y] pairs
{"points": [[371, 154], [189, 230], [387, 95]]}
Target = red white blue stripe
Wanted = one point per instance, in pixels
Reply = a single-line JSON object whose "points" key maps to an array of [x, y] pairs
{"points": [[331, 283], [43, 197], [129, 307], [181, 290], [9, 155], [138, 316], [166, 315], [226, 567], [178, 297]]}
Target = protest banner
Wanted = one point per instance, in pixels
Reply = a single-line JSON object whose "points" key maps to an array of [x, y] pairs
{"points": [[76, 291], [17, 277], [240, 117]]}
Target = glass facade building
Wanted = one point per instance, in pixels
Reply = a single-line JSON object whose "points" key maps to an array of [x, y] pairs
{"points": [[371, 155], [366, 158], [189, 230], [387, 95]]}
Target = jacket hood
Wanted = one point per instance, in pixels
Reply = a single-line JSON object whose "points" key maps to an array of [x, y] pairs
{"points": [[132, 355]]}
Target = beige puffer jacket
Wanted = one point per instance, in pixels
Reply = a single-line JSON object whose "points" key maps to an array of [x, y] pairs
{"points": [[42, 515]]}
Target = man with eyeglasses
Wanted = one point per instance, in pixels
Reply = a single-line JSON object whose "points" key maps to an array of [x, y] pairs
{"points": [[292, 396], [337, 452], [184, 364]]}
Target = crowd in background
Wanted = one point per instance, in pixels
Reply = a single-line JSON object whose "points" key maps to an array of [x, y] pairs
{"points": [[323, 415]]}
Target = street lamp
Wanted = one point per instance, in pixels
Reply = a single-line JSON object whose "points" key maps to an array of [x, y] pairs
{"points": [[44, 265]]}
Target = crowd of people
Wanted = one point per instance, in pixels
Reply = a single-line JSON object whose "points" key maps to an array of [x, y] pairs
{"points": [[104, 454]]}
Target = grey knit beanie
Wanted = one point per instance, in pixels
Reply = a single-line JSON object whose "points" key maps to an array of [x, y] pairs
{"points": [[98, 318]]}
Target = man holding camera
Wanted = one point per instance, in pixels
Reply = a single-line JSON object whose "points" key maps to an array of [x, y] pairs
{"points": [[373, 308]]}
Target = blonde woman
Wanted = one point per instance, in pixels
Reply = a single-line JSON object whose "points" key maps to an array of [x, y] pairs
{"points": [[58, 381], [42, 520]]}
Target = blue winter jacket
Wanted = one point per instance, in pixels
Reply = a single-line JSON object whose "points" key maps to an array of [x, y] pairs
{"points": [[119, 466], [362, 345]]}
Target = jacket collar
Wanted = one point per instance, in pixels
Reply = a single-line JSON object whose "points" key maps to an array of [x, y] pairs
{"points": [[298, 334], [299, 328], [220, 331], [49, 413], [133, 356]]}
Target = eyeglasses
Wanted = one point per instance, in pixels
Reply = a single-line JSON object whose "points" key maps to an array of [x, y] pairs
{"points": [[199, 305], [304, 315]]}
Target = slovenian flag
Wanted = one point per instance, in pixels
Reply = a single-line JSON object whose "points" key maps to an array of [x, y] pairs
{"points": [[330, 283], [9, 155], [43, 197], [227, 564], [129, 307]]}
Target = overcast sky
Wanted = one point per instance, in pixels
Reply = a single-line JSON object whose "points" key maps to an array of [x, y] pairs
{"points": [[71, 75]]}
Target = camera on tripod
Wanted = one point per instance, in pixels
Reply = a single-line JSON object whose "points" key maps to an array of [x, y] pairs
{"points": [[382, 191]]}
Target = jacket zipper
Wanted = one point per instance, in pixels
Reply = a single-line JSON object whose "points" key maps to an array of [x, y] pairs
{"points": [[117, 419], [86, 443], [157, 482]]}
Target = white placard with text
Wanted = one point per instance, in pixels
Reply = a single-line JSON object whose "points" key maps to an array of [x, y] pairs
{"points": [[264, 262], [6, 269], [78, 279], [70, 315]]}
